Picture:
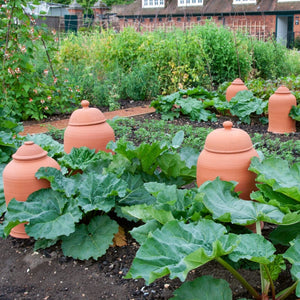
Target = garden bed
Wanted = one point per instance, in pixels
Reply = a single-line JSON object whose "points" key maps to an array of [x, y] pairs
{"points": [[48, 274]]}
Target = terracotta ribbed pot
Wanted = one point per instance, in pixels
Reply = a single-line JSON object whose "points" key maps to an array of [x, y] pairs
{"points": [[236, 86], [87, 127], [279, 107], [19, 179], [227, 153]]}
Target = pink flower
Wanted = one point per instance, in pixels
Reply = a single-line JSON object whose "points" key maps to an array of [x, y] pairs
{"points": [[30, 100], [11, 71], [18, 70], [67, 69], [23, 49], [42, 101], [66, 80], [55, 80], [46, 72], [35, 91], [49, 97], [46, 108], [53, 32]]}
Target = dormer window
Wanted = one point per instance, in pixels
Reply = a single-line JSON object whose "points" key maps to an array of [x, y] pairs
{"points": [[153, 3], [244, 1], [190, 2]]}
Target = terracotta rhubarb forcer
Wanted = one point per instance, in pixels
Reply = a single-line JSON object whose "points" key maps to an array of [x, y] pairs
{"points": [[227, 153], [236, 86], [279, 107], [19, 179], [87, 127]]}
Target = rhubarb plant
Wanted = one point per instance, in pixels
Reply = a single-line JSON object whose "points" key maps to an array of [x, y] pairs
{"points": [[202, 105], [79, 207], [173, 243]]}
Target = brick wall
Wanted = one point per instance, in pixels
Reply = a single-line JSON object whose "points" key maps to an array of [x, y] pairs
{"points": [[259, 26]]}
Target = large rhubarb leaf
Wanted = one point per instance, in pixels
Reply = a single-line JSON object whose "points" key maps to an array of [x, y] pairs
{"points": [[177, 248], [266, 194], [278, 174], [208, 287], [147, 213], [90, 240], [137, 194], [172, 166], [49, 213], [263, 252], [293, 256], [82, 158], [140, 234], [285, 234], [54, 148], [226, 206], [99, 192], [60, 183], [244, 104]]}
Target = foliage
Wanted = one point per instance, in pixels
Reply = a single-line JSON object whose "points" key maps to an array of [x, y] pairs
{"points": [[295, 112], [76, 212], [26, 91], [142, 66], [200, 105], [244, 104], [174, 244], [268, 59], [9, 135]]}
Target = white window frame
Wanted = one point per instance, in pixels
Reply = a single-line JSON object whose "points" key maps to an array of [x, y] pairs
{"points": [[244, 1], [190, 3], [153, 3], [288, 0]]}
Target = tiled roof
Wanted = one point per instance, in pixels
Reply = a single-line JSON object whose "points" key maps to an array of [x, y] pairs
{"points": [[210, 7]]}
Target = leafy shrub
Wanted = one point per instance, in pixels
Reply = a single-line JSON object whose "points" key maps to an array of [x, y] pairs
{"points": [[269, 59]]}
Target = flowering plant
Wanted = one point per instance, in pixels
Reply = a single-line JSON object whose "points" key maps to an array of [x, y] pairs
{"points": [[26, 90]]}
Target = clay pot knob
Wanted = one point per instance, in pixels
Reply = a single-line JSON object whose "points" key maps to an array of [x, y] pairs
{"points": [[227, 125], [282, 90], [85, 104]]}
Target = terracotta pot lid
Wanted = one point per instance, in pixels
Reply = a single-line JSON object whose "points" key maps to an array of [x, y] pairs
{"points": [[238, 81], [29, 151], [282, 90], [86, 115], [228, 140]]}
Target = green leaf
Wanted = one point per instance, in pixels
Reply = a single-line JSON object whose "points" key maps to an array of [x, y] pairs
{"points": [[293, 256], [90, 240], [54, 148], [178, 139], [285, 234], [44, 243], [295, 112], [263, 252], [226, 206], [81, 158], [60, 183], [177, 248], [98, 192], [208, 287], [189, 156], [49, 213], [140, 234], [147, 213], [278, 174]]}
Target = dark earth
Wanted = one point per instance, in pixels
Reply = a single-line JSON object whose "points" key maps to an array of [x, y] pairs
{"points": [[48, 274]]}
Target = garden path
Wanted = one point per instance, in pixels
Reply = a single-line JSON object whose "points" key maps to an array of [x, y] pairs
{"points": [[61, 124]]}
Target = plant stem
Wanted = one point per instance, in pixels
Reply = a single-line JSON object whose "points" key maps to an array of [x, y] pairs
{"points": [[285, 293], [270, 282], [262, 280], [239, 277], [48, 57]]}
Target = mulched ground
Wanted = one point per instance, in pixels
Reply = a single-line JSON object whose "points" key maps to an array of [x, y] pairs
{"points": [[48, 274]]}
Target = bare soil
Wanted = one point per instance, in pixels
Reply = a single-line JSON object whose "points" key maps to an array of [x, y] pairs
{"points": [[48, 274]]}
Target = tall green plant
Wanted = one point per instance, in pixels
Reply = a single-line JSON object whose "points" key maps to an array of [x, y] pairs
{"points": [[25, 91]]}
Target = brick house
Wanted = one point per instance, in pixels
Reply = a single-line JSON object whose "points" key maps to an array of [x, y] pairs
{"points": [[260, 18]]}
